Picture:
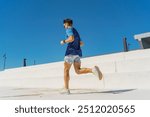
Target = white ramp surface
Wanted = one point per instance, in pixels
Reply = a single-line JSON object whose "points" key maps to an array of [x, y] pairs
{"points": [[126, 76]]}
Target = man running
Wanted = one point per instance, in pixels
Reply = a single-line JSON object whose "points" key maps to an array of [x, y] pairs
{"points": [[73, 55]]}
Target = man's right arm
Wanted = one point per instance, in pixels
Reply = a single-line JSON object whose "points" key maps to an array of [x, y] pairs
{"points": [[81, 43]]}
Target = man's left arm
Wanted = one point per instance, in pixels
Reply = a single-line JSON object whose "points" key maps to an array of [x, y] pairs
{"points": [[70, 35], [68, 40]]}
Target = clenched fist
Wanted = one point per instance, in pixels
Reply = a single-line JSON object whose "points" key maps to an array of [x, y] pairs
{"points": [[62, 42]]}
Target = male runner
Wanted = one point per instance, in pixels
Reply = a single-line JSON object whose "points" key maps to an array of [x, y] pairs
{"points": [[73, 55]]}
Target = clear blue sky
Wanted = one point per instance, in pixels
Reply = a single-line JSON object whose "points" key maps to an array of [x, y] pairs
{"points": [[32, 29]]}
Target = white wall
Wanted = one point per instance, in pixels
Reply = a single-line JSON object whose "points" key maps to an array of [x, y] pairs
{"points": [[121, 70]]}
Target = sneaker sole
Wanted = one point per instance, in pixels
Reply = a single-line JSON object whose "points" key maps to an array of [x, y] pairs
{"points": [[65, 93], [100, 75]]}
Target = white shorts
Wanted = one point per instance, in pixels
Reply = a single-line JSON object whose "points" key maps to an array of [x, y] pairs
{"points": [[72, 58]]}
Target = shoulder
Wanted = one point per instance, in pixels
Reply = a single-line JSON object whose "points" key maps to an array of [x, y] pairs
{"points": [[69, 31]]}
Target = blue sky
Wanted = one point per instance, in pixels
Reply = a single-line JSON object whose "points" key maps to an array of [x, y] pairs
{"points": [[32, 29]]}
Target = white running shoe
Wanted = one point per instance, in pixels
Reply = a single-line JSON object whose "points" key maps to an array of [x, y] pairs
{"points": [[65, 91], [96, 71]]}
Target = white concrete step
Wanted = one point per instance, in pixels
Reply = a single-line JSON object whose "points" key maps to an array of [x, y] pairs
{"points": [[136, 54], [121, 70], [134, 80], [140, 55], [56, 69]]}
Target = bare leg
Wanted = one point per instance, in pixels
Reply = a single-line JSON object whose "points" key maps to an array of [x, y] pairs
{"points": [[67, 67], [79, 70]]}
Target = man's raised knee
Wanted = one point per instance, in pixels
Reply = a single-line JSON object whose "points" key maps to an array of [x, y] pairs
{"points": [[77, 72]]}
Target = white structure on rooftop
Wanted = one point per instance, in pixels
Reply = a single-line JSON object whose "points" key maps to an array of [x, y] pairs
{"points": [[143, 39]]}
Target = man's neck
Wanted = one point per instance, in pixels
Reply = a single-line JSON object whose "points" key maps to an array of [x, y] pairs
{"points": [[69, 27]]}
